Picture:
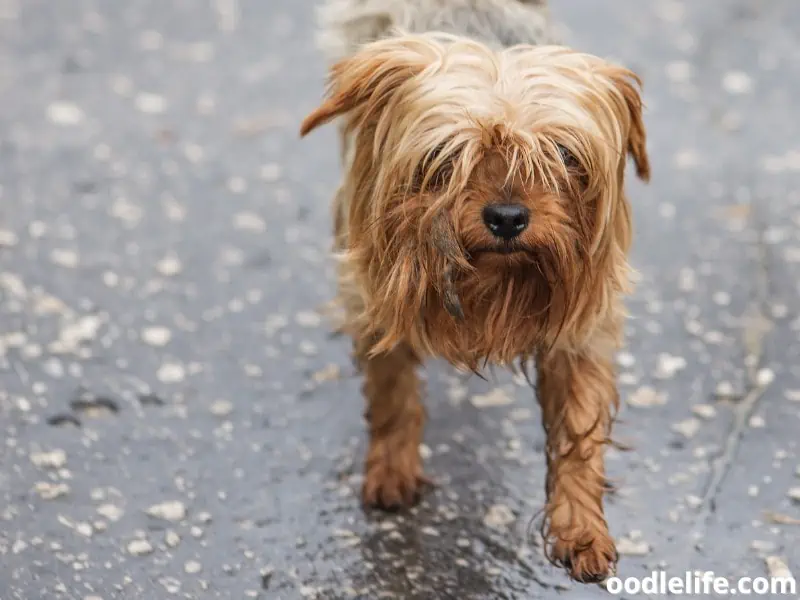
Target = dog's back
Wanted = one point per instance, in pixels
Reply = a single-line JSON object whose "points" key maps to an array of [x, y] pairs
{"points": [[346, 24]]}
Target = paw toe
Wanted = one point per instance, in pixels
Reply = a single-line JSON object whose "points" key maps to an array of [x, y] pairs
{"points": [[592, 563], [391, 490]]}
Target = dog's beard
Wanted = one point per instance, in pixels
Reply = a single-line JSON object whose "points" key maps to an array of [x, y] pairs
{"points": [[470, 306]]}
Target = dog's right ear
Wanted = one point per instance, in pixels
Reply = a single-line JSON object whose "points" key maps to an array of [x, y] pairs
{"points": [[365, 82]]}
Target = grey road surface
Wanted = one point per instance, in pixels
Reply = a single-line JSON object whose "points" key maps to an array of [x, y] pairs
{"points": [[176, 420]]}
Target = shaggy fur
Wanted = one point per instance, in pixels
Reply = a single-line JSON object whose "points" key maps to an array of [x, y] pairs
{"points": [[460, 108]]}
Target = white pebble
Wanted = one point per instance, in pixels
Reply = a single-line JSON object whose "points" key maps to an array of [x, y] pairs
{"points": [[170, 584], [237, 185], [669, 365], [8, 239], [498, 516], [497, 397], [704, 411], [171, 373], [139, 547], [156, 336], [688, 427], [275, 323], [778, 568], [626, 360], [667, 210], [173, 510], [308, 348], [51, 491], [725, 389], [151, 103], [171, 539], [249, 221], [169, 266], [194, 153], [65, 113], [686, 159], [646, 396], [110, 512], [721, 298], [65, 258], [74, 334], [221, 408], [54, 459], [687, 279], [693, 501], [765, 376], [271, 172], [792, 395], [629, 547], [425, 452], [737, 82], [192, 567], [308, 319]]}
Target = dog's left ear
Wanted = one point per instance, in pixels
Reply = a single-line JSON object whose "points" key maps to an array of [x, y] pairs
{"points": [[629, 86], [367, 80]]}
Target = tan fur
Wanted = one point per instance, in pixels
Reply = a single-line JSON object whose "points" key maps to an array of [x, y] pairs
{"points": [[437, 126]]}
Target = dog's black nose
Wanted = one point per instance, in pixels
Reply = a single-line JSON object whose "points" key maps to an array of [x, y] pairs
{"points": [[506, 221]]}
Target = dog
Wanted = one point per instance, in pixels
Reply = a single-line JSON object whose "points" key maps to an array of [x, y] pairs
{"points": [[482, 218]]}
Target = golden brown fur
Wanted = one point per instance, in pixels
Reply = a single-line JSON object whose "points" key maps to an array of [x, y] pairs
{"points": [[436, 127]]}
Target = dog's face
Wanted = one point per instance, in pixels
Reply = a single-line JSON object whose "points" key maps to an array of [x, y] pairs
{"points": [[486, 205]]}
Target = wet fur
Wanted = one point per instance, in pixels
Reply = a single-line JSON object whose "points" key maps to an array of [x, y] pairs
{"points": [[434, 126]]}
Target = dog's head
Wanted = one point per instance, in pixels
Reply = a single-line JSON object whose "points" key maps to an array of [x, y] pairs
{"points": [[488, 183]]}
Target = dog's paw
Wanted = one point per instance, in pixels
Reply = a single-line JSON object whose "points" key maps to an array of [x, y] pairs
{"points": [[591, 562], [389, 488]]}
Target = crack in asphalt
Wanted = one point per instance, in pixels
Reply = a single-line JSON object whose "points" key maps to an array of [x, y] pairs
{"points": [[756, 329]]}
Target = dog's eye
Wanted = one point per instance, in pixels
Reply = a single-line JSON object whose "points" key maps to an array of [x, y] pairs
{"points": [[440, 177], [567, 157], [575, 170]]}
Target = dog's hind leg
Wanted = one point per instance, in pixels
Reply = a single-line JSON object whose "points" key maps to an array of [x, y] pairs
{"points": [[395, 415]]}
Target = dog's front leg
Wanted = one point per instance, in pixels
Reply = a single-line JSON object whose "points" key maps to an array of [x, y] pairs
{"points": [[393, 471], [577, 393]]}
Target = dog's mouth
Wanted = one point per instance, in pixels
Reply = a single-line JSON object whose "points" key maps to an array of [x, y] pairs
{"points": [[506, 249]]}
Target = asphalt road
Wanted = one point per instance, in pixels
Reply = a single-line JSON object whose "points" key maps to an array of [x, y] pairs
{"points": [[176, 420]]}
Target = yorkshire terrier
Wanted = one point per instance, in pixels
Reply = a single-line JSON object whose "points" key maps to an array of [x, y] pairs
{"points": [[482, 218]]}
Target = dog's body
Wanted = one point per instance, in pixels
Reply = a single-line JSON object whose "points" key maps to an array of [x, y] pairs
{"points": [[482, 218], [347, 24]]}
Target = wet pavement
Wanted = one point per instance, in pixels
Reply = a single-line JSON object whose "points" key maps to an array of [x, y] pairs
{"points": [[176, 419]]}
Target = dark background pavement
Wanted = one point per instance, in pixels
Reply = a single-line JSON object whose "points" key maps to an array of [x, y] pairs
{"points": [[176, 421]]}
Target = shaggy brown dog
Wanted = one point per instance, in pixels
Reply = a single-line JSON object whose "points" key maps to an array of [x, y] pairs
{"points": [[482, 218]]}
